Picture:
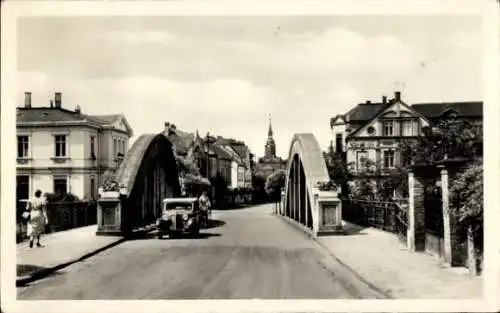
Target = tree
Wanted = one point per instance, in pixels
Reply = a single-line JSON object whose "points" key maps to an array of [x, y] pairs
{"points": [[274, 183], [466, 197], [449, 138]]}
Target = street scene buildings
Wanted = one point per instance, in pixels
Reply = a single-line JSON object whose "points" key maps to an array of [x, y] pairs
{"points": [[300, 157]]}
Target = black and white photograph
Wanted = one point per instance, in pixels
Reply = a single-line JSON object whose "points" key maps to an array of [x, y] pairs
{"points": [[163, 155]]}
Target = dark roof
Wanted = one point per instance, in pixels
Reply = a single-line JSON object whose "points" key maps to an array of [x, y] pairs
{"points": [[364, 111], [181, 140], [241, 150], [466, 109], [44, 114], [220, 152]]}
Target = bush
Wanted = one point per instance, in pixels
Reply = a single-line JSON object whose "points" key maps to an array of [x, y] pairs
{"points": [[274, 183], [109, 181], [53, 197], [466, 201]]}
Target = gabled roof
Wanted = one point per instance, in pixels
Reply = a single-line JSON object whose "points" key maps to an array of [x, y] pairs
{"points": [[465, 109], [382, 109], [241, 150], [104, 119], [181, 140], [47, 114], [220, 152]]}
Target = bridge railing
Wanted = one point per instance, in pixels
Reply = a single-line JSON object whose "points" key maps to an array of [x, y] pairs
{"points": [[391, 216]]}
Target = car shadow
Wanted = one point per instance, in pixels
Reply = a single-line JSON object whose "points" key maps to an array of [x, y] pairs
{"points": [[190, 236], [154, 235], [214, 224]]}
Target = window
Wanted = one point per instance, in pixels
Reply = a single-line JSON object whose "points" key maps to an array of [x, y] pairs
{"points": [[115, 148], [389, 158], [388, 128], [60, 145], [338, 143], [92, 188], [22, 146], [60, 185], [92, 145], [409, 128], [361, 157]]}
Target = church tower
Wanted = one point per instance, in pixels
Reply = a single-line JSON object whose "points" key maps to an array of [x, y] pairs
{"points": [[270, 148]]}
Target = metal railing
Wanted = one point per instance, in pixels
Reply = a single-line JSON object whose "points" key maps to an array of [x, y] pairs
{"points": [[62, 216], [391, 216]]}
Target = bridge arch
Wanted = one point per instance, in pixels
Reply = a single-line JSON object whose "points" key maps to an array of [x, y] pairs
{"points": [[303, 202], [147, 175]]}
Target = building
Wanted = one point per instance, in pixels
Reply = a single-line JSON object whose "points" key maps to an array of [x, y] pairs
{"points": [[270, 163], [375, 130], [66, 151]]}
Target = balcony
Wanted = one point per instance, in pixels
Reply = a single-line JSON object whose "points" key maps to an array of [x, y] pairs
{"points": [[23, 160], [60, 159]]}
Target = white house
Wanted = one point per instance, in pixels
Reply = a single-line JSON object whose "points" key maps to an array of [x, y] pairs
{"points": [[66, 151], [375, 131]]}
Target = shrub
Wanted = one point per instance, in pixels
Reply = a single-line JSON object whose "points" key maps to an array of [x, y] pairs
{"points": [[109, 181], [466, 201], [274, 183]]}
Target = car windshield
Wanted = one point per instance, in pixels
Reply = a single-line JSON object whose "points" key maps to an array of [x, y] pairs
{"points": [[178, 206]]}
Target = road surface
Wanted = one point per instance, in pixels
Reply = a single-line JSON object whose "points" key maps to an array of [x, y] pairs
{"points": [[249, 253]]}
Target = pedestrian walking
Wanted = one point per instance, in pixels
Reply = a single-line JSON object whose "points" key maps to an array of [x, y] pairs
{"points": [[36, 216], [205, 205]]}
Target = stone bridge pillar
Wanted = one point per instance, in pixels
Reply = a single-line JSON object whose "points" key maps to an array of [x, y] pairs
{"points": [[329, 211]]}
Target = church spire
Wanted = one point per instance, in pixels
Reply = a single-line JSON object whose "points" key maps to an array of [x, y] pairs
{"points": [[270, 148], [270, 131]]}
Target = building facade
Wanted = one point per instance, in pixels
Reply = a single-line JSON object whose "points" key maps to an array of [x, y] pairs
{"points": [[375, 131], [66, 151]]}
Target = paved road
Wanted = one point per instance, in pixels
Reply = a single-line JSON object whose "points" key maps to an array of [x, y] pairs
{"points": [[248, 254]]}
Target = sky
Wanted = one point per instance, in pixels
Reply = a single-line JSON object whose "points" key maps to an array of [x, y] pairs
{"points": [[227, 75]]}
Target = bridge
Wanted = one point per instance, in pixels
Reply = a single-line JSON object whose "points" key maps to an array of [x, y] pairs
{"points": [[148, 174]]}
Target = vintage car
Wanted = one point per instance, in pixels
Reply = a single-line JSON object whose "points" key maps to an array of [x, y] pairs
{"points": [[179, 215]]}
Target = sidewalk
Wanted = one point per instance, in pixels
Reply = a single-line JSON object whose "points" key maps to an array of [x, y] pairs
{"points": [[382, 260], [60, 249]]}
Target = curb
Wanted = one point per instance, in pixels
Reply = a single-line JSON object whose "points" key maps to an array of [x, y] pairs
{"points": [[26, 279], [310, 234]]}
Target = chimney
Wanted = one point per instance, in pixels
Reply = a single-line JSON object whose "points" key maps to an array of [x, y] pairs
{"points": [[57, 100], [368, 102], [397, 95], [384, 99], [27, 99], [51, 103], [167, 125], [78, 110]]}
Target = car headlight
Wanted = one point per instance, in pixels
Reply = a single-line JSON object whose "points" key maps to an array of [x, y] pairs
{"points": [[185, 217]]}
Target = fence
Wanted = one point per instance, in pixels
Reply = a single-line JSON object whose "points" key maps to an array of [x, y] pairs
{"points": [[63, 216], [391, 216]]}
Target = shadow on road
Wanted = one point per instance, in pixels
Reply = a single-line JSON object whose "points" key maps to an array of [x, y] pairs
{"points": [[154, 235], [34, 272], [353, 229], [214, 224]]}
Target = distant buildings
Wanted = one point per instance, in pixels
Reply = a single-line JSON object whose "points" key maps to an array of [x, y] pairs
{"points": [[375, 130], [66, 151], [214, 158], [270, 163]]}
